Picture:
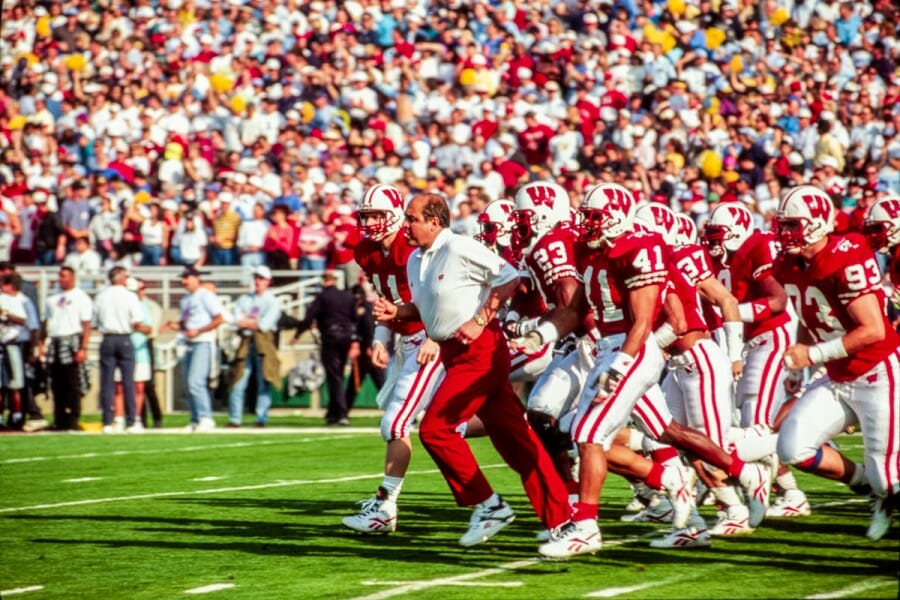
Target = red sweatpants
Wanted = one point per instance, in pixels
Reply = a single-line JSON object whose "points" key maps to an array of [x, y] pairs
{"points": [[477, 382]]}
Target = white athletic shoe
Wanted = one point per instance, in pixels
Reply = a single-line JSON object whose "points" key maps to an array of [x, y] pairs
{"points": [[486, 521], [881, 518], [734, 520], [35, 425], [573, 538], [792, 503], [136, 427], [756, 483], [684, 538], [679, 483], [658, 511], [376, 516], [206, 424], [109, 429]]}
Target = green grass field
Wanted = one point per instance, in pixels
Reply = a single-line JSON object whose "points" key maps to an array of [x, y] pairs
{"points": [[257, 515]]}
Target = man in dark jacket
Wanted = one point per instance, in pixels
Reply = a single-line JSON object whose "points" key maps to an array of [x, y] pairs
{"points": [[334, 313]]}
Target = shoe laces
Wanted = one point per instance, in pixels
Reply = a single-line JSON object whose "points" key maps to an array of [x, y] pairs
{"points": [[561, 531], [370, 506]]}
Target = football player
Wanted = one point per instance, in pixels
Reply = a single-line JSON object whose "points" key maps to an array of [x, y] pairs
{"points": [[882, 228], [743, 261], [414, 371], [526, 305], [623, 279], [698, 384], [835, 286]]}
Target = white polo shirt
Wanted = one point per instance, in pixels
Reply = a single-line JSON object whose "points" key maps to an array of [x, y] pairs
{"points": [[116, 310], [451, 281], [64, 312]]}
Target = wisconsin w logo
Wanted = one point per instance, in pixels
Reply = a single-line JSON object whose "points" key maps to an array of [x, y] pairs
{"points": [[541, 195], [819, 207], [395, 197], [663, 218], [741, 218], [891, 207]]}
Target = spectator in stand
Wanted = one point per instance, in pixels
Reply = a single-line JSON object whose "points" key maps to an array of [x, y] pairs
{"points": [[105, 228], [85, 261], [252, 237], [313, 242], [189, 242], [75, 213], [226, 224], [281, 239], [154, 237]]}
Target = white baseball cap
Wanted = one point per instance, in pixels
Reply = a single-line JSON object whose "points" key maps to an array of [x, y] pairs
{"points": [[263, 272]]}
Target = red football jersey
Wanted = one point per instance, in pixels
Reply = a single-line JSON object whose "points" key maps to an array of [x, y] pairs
{"points": [[821, 291], [689, 267], [750, 264], [551, 259], [895, 267], [695, 263], [634, 260], [387, 272]]}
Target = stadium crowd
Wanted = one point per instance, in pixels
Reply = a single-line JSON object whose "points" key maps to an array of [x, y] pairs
{"points": [[219, 132]]}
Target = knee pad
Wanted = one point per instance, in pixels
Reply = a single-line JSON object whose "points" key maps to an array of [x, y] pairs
{"points": [[547, 429]]}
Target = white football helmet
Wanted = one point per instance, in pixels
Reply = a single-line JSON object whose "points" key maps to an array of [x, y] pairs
{"points": [[608, 210], [381, 212], [882, 224], [659, 218], [728, 227], [495, 223], [686, 232], [540, 206], [805, 216]]}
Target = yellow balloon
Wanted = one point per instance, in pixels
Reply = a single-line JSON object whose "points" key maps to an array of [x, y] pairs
{"points": [[238, 104], [28, 56], [710, 163], [714, 38], [467, 77], [779, 17], [142, 197], [307, 112], [42, 27], [75, 62], [668, 42], [736, 64], [713, 108], [676, 7], [221, 83], [17, 122], [731, 176]]}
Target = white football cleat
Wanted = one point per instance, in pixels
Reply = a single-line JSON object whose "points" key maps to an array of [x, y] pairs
{"points": [[376, 516], [205, 425], [881, 518], [658, 511], [486, 521], [573, 538], [756, 483], [792, 503], [136, 427], [679, 483], [734, 520], [684, 538]]}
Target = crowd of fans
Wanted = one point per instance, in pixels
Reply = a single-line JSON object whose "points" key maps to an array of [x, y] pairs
{"points": [[228, 132]]}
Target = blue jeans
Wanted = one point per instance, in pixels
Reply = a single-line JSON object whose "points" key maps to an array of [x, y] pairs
{"points": [[46, 258], [236, 398], [251, 260], [312, 264], [196, 377], [151, 255], [224, 257]]}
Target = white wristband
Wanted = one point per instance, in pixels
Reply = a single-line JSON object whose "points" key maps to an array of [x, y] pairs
{"points": [[827, 351], [745, 310], [524, 326], [665, 335], [547, 331], [621, 362], [734, 339]]}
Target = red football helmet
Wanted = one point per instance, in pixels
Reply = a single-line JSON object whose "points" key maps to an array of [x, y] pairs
{"points": [[540, 206], [608, 210], [882, 224], [495, 223], [659, 218], [805, 216], [381, 212], [729, 226]]}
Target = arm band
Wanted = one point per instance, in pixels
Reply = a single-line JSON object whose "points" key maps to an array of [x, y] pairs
{"points": [[665, 335], [754, 311], [547, 331], [734, 339], [827, 351]]}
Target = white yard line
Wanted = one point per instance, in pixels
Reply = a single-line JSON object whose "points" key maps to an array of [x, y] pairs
{"points": [[21, 590], [27, 459], [213, 587], [854, 589], [618, 591], [209, 478], [81, 479]]}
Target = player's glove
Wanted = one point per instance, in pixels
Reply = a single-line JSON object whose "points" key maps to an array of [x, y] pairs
{"points": [[531, 342], [520, 327], [793, 382], [609, 381]]}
